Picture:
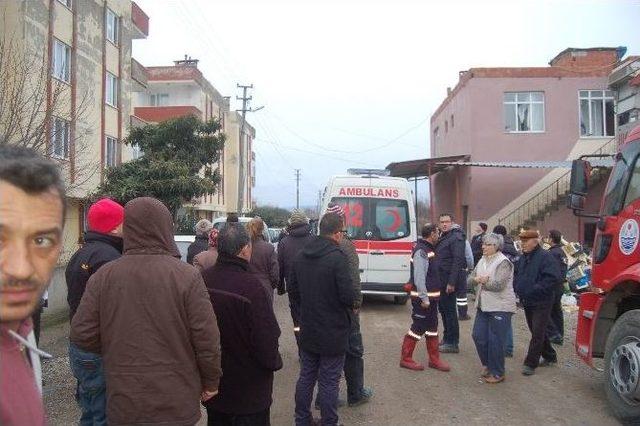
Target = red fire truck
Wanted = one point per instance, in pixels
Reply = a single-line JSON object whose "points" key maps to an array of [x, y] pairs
{"points": [[609, 316]]}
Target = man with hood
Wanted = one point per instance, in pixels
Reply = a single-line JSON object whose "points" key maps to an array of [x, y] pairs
{"points": [[102, 244], [322, 294], [32, 211], [203, 227], [451, 267], [149, 315], [298, 236]]}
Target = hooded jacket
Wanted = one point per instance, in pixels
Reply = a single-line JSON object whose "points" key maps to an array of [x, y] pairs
{"points": [[288, 248], [451, 257], [249, 335], [322, 297], [98, 249], [150, 317]]}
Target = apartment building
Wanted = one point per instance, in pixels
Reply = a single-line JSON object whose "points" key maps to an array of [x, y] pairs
{"points": [[533, 116], [78, 64], [624, 80], [180, 90]]}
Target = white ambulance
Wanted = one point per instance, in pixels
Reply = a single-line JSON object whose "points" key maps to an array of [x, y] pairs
{"points": [[381, 221]]}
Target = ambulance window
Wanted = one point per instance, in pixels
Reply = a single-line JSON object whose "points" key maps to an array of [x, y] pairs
{"points": [[633, 191], [391, 219], [354, 212]]}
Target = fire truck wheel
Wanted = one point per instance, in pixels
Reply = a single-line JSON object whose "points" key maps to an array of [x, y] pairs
{"points": [[400, 300], [622, 367]]}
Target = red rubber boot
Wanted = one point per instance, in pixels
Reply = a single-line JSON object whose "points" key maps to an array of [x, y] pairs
{"points": [[434, 354], [406, 357]]}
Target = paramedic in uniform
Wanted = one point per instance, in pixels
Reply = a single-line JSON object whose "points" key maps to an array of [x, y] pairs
{"points": [[425, 305]]}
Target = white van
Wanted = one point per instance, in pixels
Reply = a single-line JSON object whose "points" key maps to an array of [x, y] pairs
{"points": [[381, 221]]}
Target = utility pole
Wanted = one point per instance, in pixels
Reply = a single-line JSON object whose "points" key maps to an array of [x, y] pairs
{"points": [[241, 148], [297, 188], [319, 206]]}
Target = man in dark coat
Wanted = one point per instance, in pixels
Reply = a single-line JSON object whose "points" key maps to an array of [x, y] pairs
{"points": [[322, 294], [451, 270], [203, 227], [249, 334], [476, 242], [555, 328], [149, 315], [536, 279], [102, 244], [297, 237], [357, 393]]}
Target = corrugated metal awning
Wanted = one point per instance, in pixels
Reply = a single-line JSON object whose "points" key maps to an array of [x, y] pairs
{"points": [[596, 162]]}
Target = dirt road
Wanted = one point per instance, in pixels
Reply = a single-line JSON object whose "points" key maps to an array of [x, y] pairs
{"points": [[567, 394]]}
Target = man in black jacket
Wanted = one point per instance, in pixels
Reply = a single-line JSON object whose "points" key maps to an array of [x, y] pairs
{"points": [[322, 294], [476, 242], [102, 244], [555, 328], [536, 280], [202, 228], [451, 269], [249, 334]]}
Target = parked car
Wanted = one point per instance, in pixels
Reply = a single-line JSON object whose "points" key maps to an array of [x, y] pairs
{"points": [[183, 242], [219, 222]]}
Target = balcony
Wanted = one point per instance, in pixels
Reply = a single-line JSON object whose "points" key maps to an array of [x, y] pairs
{"points": [[152, 114], [139, 76], [140, 22]]}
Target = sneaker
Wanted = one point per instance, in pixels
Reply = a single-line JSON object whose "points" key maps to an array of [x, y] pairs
{"points": [[492, 380], [365, 396], [464, 318], [528, 371], [447, 348], [484, 373], [548, 362]]}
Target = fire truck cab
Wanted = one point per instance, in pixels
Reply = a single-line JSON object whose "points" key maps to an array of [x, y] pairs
{"points": [[609, 315]]}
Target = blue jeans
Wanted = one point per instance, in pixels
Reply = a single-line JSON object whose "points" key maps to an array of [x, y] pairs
{"points": [[91, 390], [489, 335], [326, 370], [508, 347]]}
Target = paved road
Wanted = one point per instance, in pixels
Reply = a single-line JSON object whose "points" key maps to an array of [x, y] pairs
{"points": [[569, 394]]}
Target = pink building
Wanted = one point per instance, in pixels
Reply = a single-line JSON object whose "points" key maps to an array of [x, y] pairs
{"points": [[535, 115]]}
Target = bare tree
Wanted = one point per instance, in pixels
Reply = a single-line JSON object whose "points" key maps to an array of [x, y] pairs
{"points": [[30, 99]]}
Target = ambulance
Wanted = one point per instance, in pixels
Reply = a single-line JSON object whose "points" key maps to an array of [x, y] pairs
{"points": [[380, 220]]}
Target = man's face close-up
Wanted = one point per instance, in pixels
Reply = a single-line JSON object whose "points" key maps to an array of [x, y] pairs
{"points": [[529, 244], [445, 223], [30, 243]]}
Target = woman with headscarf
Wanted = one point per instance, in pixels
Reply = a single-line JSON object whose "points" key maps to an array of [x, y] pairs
{"points": [[206, 259], [264, 262], [495, 302]]}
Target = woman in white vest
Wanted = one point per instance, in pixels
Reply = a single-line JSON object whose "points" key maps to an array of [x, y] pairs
{"points": [[495, 303]]}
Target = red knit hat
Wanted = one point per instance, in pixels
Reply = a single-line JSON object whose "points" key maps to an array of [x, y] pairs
{"points": [[105, 215]]}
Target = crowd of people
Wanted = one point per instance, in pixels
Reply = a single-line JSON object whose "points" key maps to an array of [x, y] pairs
{"points": [[501, 277], [153, 337]]}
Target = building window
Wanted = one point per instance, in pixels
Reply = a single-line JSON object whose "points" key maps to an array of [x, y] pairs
{"points": [[111, 151], [161, 99], [66, 3], [112, 24], [524, 112], [136, 151], [112, 90], [597, 116], [60, 137], [61, 67], [446, 126], [452, 121]]}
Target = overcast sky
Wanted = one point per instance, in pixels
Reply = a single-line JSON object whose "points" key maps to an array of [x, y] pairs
{"points": [[354, 83]]}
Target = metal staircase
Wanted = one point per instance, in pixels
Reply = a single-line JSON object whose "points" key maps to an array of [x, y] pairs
{"points": [[551, 198]]}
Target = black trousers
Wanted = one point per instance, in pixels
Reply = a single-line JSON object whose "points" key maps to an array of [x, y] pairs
{"points": [[216, 418], [353, 362], [555, 328], [537, 319], [449, 312]]}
